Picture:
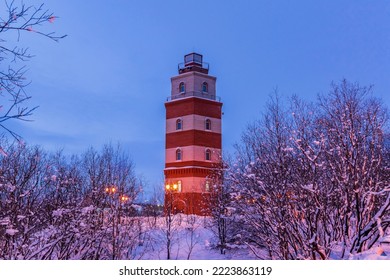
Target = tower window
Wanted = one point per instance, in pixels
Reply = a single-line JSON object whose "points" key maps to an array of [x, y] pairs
{"points": [[205, 87], [208, 154], [207, 186], [179, 124], [182, 88], [208, 124], [179, 186], [178, 154]]}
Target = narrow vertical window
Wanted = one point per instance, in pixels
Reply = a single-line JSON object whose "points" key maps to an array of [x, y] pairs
{"points": [[178, 154], [205, 87], [182, 88], [208, 154], [179, 186], [207, 187], [208, 124], [179, 124]]}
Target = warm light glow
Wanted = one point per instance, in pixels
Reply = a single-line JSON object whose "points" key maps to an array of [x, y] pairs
{"points": [[124, 198], [110, 190], [173, 187]]}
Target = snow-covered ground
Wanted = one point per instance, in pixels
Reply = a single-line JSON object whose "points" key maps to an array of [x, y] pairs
{"points": [[380, 252], [182, 237], [192, 237]]}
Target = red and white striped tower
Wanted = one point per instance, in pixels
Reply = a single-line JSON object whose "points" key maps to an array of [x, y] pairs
{"points": [[193, 137]]}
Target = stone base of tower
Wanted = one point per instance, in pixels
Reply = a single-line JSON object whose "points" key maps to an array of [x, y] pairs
{"points": [[187, 203]]}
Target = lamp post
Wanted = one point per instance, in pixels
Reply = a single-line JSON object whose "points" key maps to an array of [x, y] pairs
{"points": [[169, 189], [111, 191], [122, 200]]}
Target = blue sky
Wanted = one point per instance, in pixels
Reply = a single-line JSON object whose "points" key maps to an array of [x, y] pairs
{"points": [[108, 80]]}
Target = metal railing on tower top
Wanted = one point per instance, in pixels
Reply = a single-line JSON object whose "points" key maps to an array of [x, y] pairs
{"points": [[187, 67], [199, 94]]}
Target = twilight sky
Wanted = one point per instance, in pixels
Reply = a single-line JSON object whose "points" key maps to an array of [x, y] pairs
{"points": [[109, 79]]}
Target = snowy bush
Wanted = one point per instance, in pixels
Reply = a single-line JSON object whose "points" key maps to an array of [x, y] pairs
{"points": [[56, 207], [315, 177]]}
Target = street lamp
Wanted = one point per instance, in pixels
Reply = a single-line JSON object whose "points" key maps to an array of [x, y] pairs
{"points": [[122, 198], [110, 190], [170, 189]]}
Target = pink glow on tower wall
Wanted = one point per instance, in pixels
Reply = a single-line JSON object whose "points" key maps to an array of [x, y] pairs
{"points": [[197, 153], [193, 122]]}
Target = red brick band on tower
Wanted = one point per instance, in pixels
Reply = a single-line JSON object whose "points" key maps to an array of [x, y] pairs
{"points": [[187, 106]]}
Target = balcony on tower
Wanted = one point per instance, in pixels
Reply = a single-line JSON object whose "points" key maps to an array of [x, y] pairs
{"points": [[193, 62]]}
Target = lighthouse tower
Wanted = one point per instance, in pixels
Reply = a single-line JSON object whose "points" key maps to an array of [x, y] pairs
{"points": [[193, 137]]}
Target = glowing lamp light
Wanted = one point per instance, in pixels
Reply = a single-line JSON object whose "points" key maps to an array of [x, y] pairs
{"points": [[110, 190], [124, 198], [173, 187]]}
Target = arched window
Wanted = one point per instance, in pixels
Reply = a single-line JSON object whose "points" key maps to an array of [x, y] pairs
{"points": [[208, 124], [178, 154], [208, 154], [182, 88], [205, 87], [179, 124]]}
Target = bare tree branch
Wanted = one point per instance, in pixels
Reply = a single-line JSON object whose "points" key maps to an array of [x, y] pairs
{"points": [[19, 19]]}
